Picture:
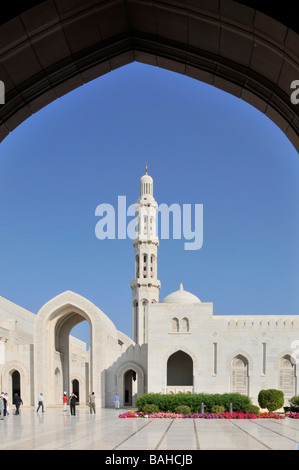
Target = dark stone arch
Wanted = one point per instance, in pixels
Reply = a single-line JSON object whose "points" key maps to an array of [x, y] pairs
{"points": [[56, 46]]}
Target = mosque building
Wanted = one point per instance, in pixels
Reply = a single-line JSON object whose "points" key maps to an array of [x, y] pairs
{"points": [[177, 345]]}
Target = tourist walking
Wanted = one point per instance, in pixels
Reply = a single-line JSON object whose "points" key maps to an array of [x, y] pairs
{"points": [[73, 400], [64, 401], [4, 403], [17, 401], [7, 403], [1, 407], [116, 401], [92, 403], [40, 402]]}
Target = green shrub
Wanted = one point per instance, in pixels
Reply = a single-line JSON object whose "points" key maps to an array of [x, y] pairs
{"points": [[183, 409], [271, 399], [218, 409], [169, 402], [252, 409], [294, 402], [148, 409]]}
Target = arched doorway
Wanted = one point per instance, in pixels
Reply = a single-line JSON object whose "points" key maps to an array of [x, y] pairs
{"points": [[53, 325], [15, 378], [70, 358], [76, 389], [179, 373], [130, 388], [129, 383], [15, 383]]}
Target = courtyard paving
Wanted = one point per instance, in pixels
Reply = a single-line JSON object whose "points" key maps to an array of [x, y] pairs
{"points": [[58, 430]]}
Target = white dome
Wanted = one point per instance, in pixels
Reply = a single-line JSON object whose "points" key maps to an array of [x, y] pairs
{"points": [[146, 178], [180, 296]]}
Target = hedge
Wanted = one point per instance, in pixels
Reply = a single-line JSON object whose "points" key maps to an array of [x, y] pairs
{"points": [[170, 402], [294, 402]]}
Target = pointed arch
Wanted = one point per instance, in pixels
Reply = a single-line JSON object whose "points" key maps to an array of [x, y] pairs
{"points": [[179, 369], [24, 378], [185, 325], [175, 325], [53, 324], [239, 375], [287, 376], [205, 42], [121, 382]]}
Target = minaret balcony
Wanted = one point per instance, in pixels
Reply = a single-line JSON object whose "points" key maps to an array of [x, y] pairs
{"points": [[145, 282]]}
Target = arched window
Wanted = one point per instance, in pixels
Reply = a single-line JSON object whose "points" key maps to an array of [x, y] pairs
{"points": [[185, 325], [136, 266], [145, 225], [152, 266], [175, 326], [144, 271], [151, 225], [239, 375], [286, 376]]}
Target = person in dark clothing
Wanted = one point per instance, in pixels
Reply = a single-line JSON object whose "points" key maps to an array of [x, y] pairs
{"points": [[17, 401], [72, 401]]}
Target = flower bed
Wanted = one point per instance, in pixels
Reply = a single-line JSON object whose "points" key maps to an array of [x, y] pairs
{"points": [[235, 415], [272, 415], [132, 414], [293, 415]]}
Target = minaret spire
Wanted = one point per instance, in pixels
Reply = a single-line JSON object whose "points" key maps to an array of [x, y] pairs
{"points": [[145, 287]]}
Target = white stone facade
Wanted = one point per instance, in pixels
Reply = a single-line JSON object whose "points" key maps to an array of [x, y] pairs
{"points": [[224, 353], [179, 345]]}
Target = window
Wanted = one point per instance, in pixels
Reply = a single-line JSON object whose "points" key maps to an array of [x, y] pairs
{"points": [[264, 359], [215, 358], [180, 326], [286, 376], [137, 266], [175, 326], [185, 325], [152, 261], [239, 375]]}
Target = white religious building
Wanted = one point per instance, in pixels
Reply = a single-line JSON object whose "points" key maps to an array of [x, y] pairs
{"points": [[178, 344]]}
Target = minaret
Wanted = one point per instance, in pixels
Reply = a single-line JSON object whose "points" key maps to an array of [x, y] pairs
{"points": [[145, 287]]}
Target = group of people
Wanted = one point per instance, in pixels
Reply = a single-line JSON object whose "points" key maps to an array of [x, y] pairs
{"points": [[4, 404], [72, 399]]}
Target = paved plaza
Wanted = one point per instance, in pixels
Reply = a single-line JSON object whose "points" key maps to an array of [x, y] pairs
{"points": [[58, 430]]}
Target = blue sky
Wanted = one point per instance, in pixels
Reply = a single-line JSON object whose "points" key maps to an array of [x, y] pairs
{"points": [[201, 145]]}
